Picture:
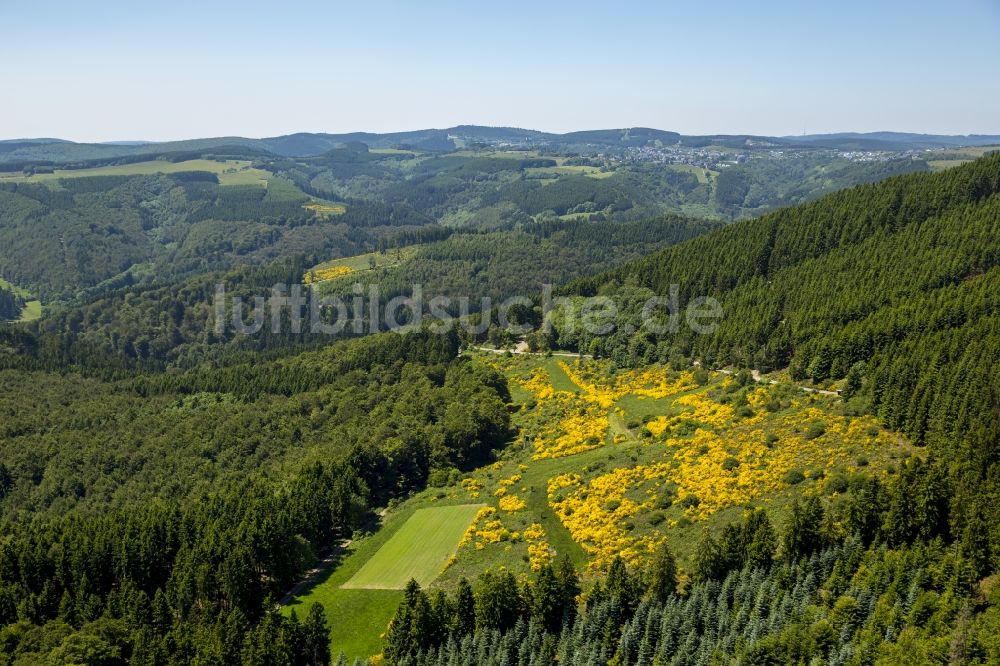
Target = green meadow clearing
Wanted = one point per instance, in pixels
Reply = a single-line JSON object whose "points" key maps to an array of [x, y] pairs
{"points": [[364, 262], [568, 170], [419, 550], [230, 172], [702, 174], [32, 306], [325, 210], [949, 158], [359, 616]]}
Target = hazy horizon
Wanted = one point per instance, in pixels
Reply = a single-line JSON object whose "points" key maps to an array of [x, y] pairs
{"points": [[441, 127], [118, 71]]}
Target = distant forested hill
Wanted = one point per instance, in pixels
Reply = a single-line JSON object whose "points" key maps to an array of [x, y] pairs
{"points": [[501, 264], [61, 238], [171, 324], [304, 144]]}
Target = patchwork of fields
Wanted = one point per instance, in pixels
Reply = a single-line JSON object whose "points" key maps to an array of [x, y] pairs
{"points": [[230, 172], [607, 462]]}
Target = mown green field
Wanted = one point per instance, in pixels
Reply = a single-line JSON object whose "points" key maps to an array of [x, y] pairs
{"points": [[230, 172], [358, 617], [419, 550], [560, 380]]}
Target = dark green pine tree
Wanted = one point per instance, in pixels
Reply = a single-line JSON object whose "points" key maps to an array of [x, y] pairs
{"points": [[663, 574], [232, 634], [821, 364], [622, 587], [854, 381], [761, 540], [804, 529], [732, 548], [464, 616], [709, 563], [498, 601], [316, 637], [400, 641], [425, 631], [569, 580], [443, 614], [863, 510], [547, 600]]}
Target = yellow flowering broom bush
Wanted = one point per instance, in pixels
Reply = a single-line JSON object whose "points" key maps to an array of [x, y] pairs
{"points": [[323, 274]]}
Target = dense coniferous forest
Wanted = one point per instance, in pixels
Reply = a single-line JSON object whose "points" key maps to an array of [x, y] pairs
{"points": [[10, 305], [501, 264], [154, 520], [113, 231]]}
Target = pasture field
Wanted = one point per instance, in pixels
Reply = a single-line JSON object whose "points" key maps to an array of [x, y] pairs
{"points": [[419, 550], [941, 165], [360, 262], [230, 172], [359, 616], [32, 306], [939, 160], [393, 151], [325, 210], [568, 170], [502, 154], [703, 175], [32, 310]]}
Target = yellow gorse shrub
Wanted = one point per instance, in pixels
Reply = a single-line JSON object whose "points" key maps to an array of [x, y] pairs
{"points": [[512, 503], [539, 552], [595, 513], [322, 274], [713, 453], [504, 484], [472, 486]]}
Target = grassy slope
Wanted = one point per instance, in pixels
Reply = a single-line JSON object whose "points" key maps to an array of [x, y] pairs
{"points": [[32, 307], [362, 262], [703, 175], [419, 550], [940, 160], [358, 617], [638, 450]]}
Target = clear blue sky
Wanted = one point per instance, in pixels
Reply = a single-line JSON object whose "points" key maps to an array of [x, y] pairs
{"points": [[96, 71]]}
